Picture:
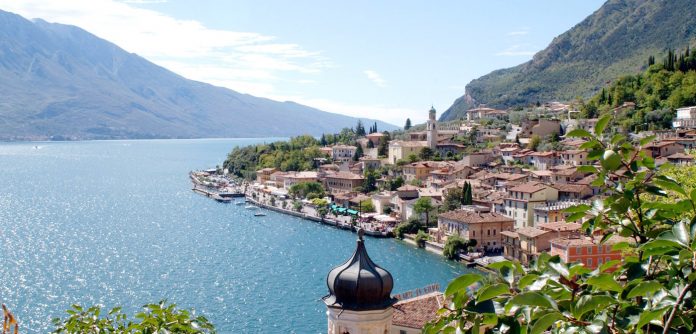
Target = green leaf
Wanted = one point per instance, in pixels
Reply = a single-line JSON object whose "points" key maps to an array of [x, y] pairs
{"points": [[646, 140], [545, 322], [611, 160], [588, 303], [492, 291], [462, 282], [681, 232], [532, 298], [579, 133], [609, 264], [644, 288], [578, 208], [559, 268], [648, 316], [602, 124], [669, 184], [588, 169], [527, 280], [604, 282]]}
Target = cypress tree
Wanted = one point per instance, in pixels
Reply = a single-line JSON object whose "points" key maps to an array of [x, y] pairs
{"points": [[470, 195], [408, 124], [358, 153]]}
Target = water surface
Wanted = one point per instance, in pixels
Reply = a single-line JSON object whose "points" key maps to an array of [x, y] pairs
{"points": [[115, 223]]}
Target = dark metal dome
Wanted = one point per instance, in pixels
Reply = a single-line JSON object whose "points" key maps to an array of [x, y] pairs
{"points": [[359, 284]]}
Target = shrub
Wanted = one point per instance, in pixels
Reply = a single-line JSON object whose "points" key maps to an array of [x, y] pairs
{"points": [[156, 318], [453, 246], [421, 238]]}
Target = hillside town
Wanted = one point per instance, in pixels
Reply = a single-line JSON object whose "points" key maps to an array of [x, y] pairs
{"points": [[500, 184]]}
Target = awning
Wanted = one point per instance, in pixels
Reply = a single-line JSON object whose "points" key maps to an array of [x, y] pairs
{"points": [[352, 212]]}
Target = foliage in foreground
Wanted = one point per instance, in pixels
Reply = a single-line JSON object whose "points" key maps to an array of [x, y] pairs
{"points": [[156, 318], [649, 291]]}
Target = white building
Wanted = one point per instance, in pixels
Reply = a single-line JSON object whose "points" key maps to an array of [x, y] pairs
{"points": [[686, 118]]}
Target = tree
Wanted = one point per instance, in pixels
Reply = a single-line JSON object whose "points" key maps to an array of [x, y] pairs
{"points": [[424, 205], [156, 318], [323, 141], [534, 142], [421, 238], [383, 149], [408, 124], [367, 206], [370, 181], [370, 144], [453, 246], [426, 153], [358, 153], [360, 129], [453, 200], [304, 189], [648, 291], [408, 227]]}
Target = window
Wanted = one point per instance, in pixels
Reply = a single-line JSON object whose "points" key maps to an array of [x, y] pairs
{"points": [[488, 232], [578, 250], [589, 262], [589, 249], [473, 233], [493, 231], [599, 261]]}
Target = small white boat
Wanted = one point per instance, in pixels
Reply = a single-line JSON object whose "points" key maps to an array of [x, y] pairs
{"points": [[259, 213], [249, 207]]}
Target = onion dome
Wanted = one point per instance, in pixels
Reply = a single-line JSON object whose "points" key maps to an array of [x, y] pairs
{"points": [[359, 284]]}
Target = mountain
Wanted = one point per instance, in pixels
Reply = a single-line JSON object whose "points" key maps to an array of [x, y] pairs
{"points": [[615, 40], [61, 82]]}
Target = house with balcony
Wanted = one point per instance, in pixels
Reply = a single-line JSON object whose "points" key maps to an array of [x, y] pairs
{"points": [[484, 227], [343, 153], [523, 198], [587, 250], [342, 182]]}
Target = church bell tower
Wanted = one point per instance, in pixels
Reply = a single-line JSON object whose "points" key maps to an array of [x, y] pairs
{"points": [[359, 299], [432, 129]]}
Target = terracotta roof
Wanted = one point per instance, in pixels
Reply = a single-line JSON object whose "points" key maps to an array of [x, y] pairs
{"points": [[471, 217], [409, 143], [543, 154], [530, 232], [529, 187], [571, 188], [680, 156], [587, 179], [345, 175], [375, 134], [407, 187], [565, 171], [559, 226], [510, 234]]}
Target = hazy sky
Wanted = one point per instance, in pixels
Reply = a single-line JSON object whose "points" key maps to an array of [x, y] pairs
{"points": [[381, 59]]}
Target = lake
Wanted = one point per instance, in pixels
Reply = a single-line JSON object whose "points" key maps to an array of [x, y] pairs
{"points": [[116, 223]]}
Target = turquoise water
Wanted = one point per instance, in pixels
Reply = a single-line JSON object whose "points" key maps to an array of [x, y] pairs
{"points": [[115, 223]]}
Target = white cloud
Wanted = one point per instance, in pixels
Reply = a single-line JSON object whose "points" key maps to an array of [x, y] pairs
{"points": [[375, 78], [516, 51], [244, 61], [518, 33]]}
